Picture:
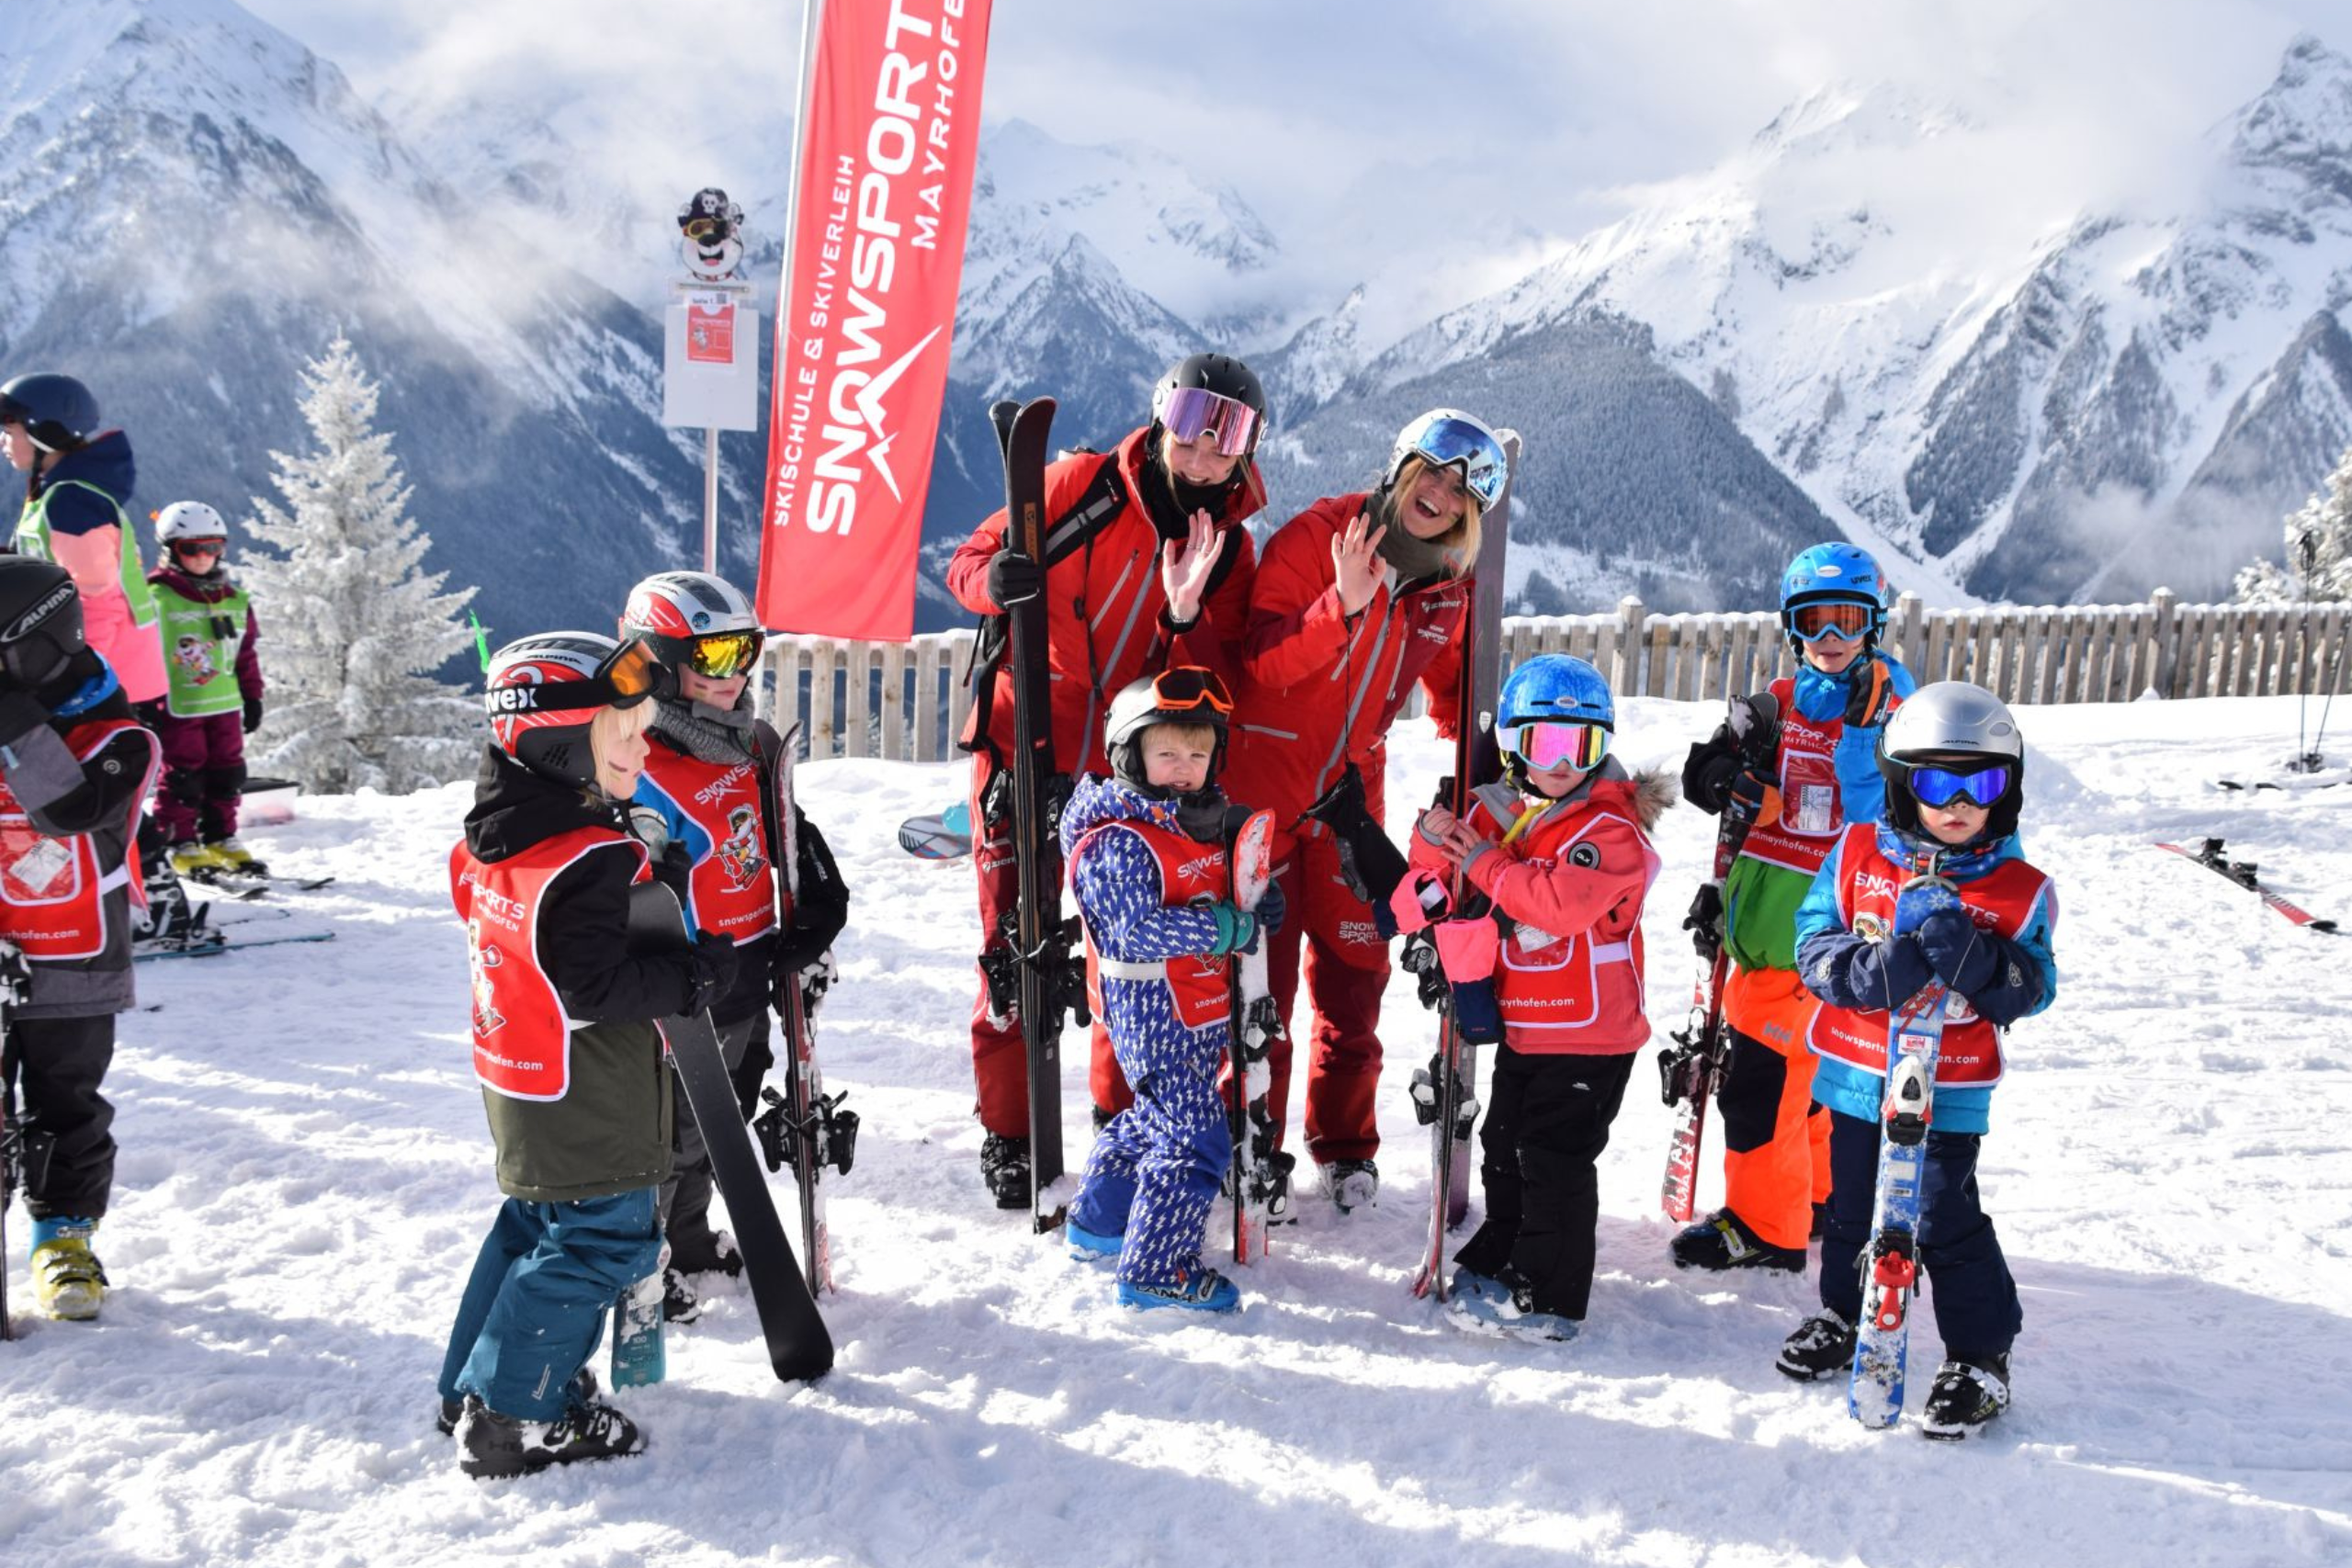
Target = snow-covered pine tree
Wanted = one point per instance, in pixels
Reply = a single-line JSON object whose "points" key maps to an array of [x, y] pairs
{"points": [[350, 628], [2319, 549]]}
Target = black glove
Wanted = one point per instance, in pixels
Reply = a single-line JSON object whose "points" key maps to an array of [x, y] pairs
{"points": [[1958, 952], [1012, 578], [1888, 973], [710, 971], [253, 715], [1705, 920], [1868, 693], [1707, 775], [1272, 907]]}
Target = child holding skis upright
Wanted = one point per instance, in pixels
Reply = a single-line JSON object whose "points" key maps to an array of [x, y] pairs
{"points": [[1147, 850], [1954, 766], [1823, 776], [702, 803], [565, 1045], [1560, 848], [212, 695]]}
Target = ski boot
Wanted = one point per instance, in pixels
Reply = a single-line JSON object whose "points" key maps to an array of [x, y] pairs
{"points": [[491, 1447], [232, 858], [1197, 1288], [192, 859], [1086, 1245], [584, 1392], [1352, 1184], [1504, 1307], [1004, 1166], [69, 1284], [1822, 1346], [711, 1252], [1968, 1393], [679, 1303], [1721, 1241]]}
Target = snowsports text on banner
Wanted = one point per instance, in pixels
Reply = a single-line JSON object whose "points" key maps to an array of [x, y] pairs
{"points": [[882, 185]]}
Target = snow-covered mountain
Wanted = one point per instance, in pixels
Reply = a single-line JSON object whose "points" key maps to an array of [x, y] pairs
{"points": [[2133, 397], [192, 204]]}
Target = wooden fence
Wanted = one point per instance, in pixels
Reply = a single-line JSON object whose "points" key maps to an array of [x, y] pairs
{"points": [[908, 700]]}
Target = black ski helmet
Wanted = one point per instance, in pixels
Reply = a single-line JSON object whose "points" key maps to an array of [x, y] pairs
{"points": [[57, 412], [40, 621], [1221, 374], [1184, 694], [1960, 726]]}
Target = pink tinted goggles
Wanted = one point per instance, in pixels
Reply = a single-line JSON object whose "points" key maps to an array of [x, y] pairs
{"points": [[1191, 413], [1548, 743]]}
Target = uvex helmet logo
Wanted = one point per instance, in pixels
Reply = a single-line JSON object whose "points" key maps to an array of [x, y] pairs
{"points": [[30, 621]]}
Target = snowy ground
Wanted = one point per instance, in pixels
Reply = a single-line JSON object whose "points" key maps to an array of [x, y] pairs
{"points": [[305, 1175]]}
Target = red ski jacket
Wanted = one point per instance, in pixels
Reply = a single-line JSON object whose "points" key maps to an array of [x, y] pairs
{"points": [[1104, 601]]}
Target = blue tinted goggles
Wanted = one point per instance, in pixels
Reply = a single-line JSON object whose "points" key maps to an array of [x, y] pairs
{"points": [[1457, 442], [1940, 786]]}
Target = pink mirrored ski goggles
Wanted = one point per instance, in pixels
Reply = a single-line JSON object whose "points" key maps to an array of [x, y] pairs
{"points": [[1547, 743], [1191, 413]]}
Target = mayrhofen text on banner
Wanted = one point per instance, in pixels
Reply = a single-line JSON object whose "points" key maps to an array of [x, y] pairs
{"points": [[882, 183]]}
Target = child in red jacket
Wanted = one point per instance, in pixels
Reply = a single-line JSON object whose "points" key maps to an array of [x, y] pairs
{"points": [[1561, 852]]}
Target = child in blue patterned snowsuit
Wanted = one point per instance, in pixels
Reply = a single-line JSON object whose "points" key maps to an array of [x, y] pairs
{"points": [[1147, 853]]}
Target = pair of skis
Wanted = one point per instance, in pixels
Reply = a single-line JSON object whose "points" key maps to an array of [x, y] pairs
{"points": [[2208, 855], [1690, 1074], [1450, 1110], [1890, 1262]]}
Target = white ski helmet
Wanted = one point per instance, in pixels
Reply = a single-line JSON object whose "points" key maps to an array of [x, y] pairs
{"points": [[543, 693], [695, 621], [1184, 694], [185, 520]]}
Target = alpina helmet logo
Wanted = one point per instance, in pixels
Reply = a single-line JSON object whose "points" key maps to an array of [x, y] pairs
{"points": [[31, 619]]}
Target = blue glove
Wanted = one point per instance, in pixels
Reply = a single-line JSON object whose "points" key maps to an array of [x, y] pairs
{"points": [[1272, 907], [1958, 952], [1236, 929], [1887, 974]]}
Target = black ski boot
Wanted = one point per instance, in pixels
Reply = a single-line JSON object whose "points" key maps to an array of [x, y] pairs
{"points": [[1352, 1183], [491, 1447], [1721, 1241], [1004, 1166], [1968, 1393], [679, 1303], [584, 1392], [1822, 1346]]}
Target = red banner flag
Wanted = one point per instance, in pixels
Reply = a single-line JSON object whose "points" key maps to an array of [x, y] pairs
{"points": [[889, 129]]}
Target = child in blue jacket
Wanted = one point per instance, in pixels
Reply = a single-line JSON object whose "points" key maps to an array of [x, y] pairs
{"points": [[1955, 764]]}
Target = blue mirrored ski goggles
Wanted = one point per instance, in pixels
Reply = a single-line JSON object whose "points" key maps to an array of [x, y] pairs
{"points": [[1457, 442], [1940, 786]]}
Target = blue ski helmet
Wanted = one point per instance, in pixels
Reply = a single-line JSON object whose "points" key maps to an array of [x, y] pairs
{"points": [[1834, 574], [1557, 685]]}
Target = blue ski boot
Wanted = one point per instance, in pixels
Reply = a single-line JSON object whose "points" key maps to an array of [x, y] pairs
{"points": [[1086, 1246], [1197, 1288]]}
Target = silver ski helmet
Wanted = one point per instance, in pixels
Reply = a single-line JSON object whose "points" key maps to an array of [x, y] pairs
{"points": [[1448, 438], [542, 693], [695, 621], [40, 621], [1185, 695], [1958, 728]]}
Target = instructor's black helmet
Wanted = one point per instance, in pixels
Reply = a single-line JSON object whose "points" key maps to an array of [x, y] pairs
{"points": [[57, 412], [1219, 373], [40, 621]]}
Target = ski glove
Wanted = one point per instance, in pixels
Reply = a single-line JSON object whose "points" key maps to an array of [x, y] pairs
{"points": [[253, 715], [1705, 920], [1272, 907], [1236, 929], [1870, 694], [710, 971], [1952, 946], [1013, 578], [1885, 975]]}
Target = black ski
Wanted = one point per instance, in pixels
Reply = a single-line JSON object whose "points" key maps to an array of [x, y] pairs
{"points": [[798, 1345], [1043, 936], [1451, 1110]]}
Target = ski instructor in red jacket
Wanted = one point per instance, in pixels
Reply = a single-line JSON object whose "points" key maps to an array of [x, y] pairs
{"points": [[1358, 597], [1147, 566]]}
